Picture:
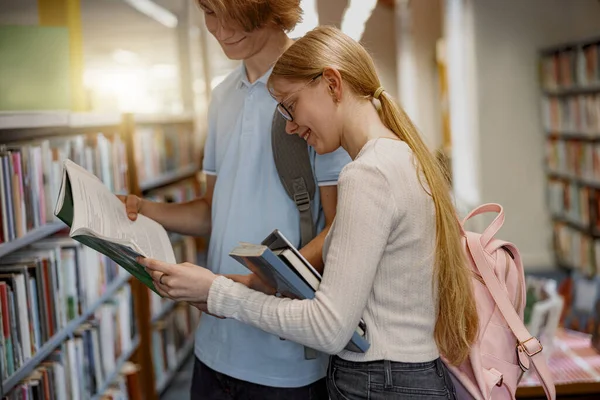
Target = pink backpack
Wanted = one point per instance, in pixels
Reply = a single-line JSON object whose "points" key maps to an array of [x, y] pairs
{"points": [[504, 349]]}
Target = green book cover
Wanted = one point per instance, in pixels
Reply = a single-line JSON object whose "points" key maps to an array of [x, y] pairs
{"points": [[121, 254]]}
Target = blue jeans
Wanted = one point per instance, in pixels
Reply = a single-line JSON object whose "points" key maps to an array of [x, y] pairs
{"points": [[379, 380]]}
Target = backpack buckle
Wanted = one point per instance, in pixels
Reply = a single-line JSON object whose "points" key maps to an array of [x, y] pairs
{"points": [[530, 353], [523, 349], [302, 200]]}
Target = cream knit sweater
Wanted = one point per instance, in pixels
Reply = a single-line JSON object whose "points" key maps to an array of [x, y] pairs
{"points": [[379, 257]]}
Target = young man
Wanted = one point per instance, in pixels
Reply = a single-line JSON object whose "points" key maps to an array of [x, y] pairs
{"points": [[245, 201]]}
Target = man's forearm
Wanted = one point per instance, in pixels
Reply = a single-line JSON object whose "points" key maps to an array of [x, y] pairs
{"points": [[190, 218], [313, 251]]}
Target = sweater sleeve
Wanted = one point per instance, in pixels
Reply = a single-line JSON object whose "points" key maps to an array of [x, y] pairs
{"points": [[365, 214]]}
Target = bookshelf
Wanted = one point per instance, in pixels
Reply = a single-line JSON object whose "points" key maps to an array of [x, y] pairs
{"points": [[60, 337], [181, 357], [106, 145], [570, 110], [164, 157], [33, 242], [119, 366], [31, 237]]}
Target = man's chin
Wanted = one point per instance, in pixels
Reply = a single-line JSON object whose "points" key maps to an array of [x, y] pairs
{"points": [[234, 54]]}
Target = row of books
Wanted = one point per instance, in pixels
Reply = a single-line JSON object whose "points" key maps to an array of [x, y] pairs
{"points": [[575, 66], [56, 378], [576, 249], [31, 173], [42, 289], [85, 364], [570, 201], [172, 340], [178, 193], [162, 149], [578, 113], [574, 158]]}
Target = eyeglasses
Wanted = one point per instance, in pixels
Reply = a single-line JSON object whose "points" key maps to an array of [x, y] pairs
{"points": [[283, 110]]}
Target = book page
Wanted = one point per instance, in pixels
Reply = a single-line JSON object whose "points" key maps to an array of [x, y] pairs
{"points": [[98, 210]]}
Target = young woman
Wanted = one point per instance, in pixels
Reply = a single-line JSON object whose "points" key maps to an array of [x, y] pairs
{"points": [[393, 254]]}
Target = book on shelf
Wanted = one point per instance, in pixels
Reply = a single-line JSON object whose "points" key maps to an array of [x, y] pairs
{"points": [[31, 173], [49, 279], [90, 360], [172, 341], [279, 264], [97, 219], [161, 149], [571, 66]]}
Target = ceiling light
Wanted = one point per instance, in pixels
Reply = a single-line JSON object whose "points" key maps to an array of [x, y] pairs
{"points": [[154, 11]]}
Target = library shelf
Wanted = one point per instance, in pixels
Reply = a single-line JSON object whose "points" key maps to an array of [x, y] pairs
{"points": [[31, 237], [568, 177], [55, 341], [182, 356], [169, 178], [118, 366], [166, 310], [574, 90]]}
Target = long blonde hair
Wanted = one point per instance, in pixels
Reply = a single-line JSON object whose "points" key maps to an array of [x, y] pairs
{"points": [[457, 322]]}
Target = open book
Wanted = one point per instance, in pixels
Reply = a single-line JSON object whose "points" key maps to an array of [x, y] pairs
{"points": [[278, 263], [98, 219]]}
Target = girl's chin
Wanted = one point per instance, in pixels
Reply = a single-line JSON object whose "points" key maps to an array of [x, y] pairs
{"points": [[319, 149]]}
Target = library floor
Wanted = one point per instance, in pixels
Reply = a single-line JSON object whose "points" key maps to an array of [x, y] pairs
{"points": [[179, 389]]}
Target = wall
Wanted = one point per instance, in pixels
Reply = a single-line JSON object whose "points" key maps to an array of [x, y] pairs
{"points": [[419, 26], [379, 40], [378, 37], [507, 36]]}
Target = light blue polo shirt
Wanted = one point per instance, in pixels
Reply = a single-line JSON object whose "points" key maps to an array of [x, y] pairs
{"points": [[249, 203]]}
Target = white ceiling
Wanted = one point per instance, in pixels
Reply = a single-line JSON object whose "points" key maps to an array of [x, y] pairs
{"points": [[109, 25]]}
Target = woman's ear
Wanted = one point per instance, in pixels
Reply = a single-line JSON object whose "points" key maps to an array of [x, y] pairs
{"points": [[333, 80]]}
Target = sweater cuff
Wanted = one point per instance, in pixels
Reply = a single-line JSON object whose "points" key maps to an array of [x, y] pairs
{"points": [[221, 298]]}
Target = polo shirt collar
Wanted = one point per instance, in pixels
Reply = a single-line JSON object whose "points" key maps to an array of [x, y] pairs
{"points": [[244, 77]]}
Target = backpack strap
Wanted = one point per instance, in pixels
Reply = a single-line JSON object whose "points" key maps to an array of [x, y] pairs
{"points": [[529, 348], [290, 153]]}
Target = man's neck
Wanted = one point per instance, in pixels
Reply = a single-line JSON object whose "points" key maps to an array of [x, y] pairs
{"points": [[261, 62]]}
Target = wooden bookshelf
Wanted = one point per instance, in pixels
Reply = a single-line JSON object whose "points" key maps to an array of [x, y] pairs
{"points": [[119, 365], [60, 337], [135, 124], [182, 355], [31, 237], [29, 129], [169, 178], [570, 111]]}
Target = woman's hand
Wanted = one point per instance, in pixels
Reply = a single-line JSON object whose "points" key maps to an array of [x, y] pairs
{"points": [[180, 282], [133, 205]]}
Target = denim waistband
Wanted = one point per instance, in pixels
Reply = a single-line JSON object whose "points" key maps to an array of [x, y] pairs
{"points": [[383, 365]]}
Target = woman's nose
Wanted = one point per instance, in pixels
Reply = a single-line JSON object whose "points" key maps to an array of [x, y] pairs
{"points": [[291, 127]]}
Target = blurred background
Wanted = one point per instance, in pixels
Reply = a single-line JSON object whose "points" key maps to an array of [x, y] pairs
{"points": [[506, 92]]}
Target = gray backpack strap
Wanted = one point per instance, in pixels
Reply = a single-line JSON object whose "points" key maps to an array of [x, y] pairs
{"points": [[290, 153]]}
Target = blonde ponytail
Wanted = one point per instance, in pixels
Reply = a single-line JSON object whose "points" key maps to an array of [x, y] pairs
{"points": [[457, 322]]}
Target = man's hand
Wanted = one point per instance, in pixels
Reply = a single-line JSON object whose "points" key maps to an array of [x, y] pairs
{"points": [[133, 205]]}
